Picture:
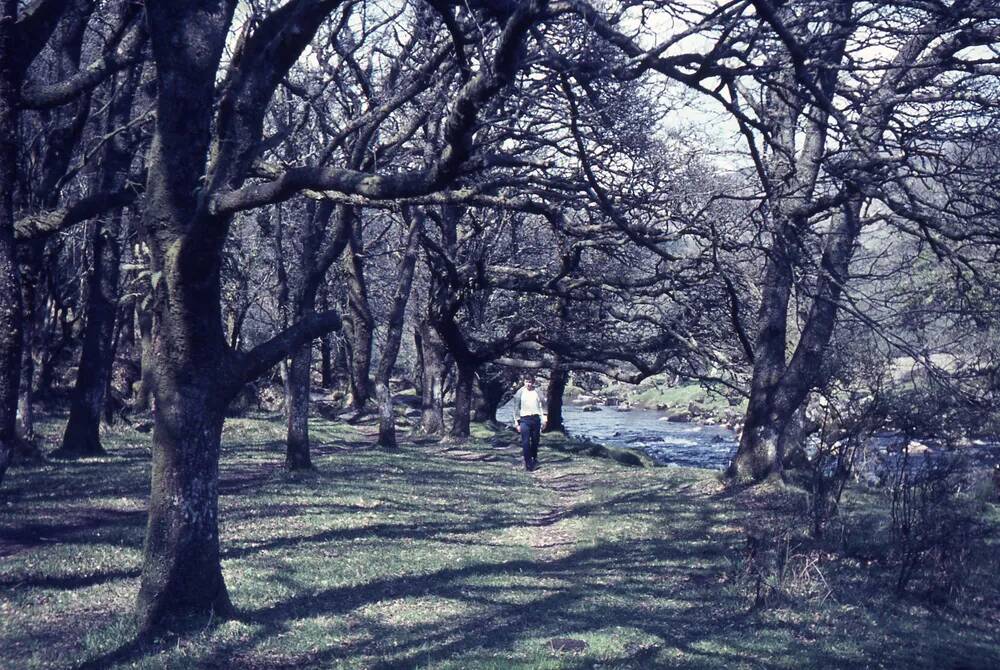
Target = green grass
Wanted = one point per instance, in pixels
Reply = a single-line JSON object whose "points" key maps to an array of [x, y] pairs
{"points": [[681, 396], [438, 555]]}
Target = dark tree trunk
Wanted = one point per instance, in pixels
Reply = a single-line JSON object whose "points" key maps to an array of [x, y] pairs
{"points": [[757, 456], [10, 284], [361, 324], [181, 572], [294, 373], [770, 415], [82, 435], [417, 372], [297, 456], [460, 426], [432, 354], [97, 359], [113, 404], [386, 415], [325, 348], [554, 401], [492, 390], [313, 267], [67, 124], [394, 337], [31, 273]]}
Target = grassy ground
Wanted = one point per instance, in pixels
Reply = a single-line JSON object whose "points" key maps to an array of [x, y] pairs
{"points": [[682, 395], [439, 556]]}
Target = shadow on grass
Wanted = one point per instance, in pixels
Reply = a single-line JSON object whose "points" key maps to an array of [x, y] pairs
{"points": [[434, 580]]}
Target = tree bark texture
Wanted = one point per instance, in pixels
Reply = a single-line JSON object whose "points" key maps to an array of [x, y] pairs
{"points": [[466, 377], [181, 573], [757, 455], [554, 400], [297, 453], [432, 355]]}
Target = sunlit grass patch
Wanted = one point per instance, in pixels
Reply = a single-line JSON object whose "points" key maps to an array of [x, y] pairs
{"points": [[417, 611]]}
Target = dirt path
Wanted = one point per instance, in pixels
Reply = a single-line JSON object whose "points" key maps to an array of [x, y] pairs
{"points": [[552, 527], [554, 532]]}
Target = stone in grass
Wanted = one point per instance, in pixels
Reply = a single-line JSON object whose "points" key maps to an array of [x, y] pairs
{"points": [[567, 644]]}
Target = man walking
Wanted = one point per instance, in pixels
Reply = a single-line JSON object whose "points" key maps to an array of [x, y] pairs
{"points": [[528, 421]]}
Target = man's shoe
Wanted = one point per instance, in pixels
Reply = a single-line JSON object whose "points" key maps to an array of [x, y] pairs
{"points": [[529, 465]]}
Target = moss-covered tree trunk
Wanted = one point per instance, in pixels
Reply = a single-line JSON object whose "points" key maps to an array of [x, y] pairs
{"points": [[181, 573], [434, 370]]}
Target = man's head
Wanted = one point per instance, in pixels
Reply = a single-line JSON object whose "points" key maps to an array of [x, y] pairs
{"points": [[529, 382]]}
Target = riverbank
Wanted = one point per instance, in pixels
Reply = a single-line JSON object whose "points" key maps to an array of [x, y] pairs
{"points": [[450, 555], [680, 403]]}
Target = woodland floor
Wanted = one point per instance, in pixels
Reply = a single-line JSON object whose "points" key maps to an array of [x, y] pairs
{"points": [[444, 555]]}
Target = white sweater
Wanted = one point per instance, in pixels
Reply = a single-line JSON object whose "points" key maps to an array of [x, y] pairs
{"points": [[527, 403]]}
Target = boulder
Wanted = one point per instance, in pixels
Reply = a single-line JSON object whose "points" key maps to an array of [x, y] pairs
{"points": [[915, 447], [591, 408]]}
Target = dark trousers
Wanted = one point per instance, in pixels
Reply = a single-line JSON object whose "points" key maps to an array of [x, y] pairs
{"points": [[531, 427]]}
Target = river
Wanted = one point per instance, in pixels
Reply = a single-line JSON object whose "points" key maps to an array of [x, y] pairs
{"points": [[679, 444], [696, 445]]}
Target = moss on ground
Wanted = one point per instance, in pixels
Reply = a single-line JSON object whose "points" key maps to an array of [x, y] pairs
{"points": [[439, 555]]}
